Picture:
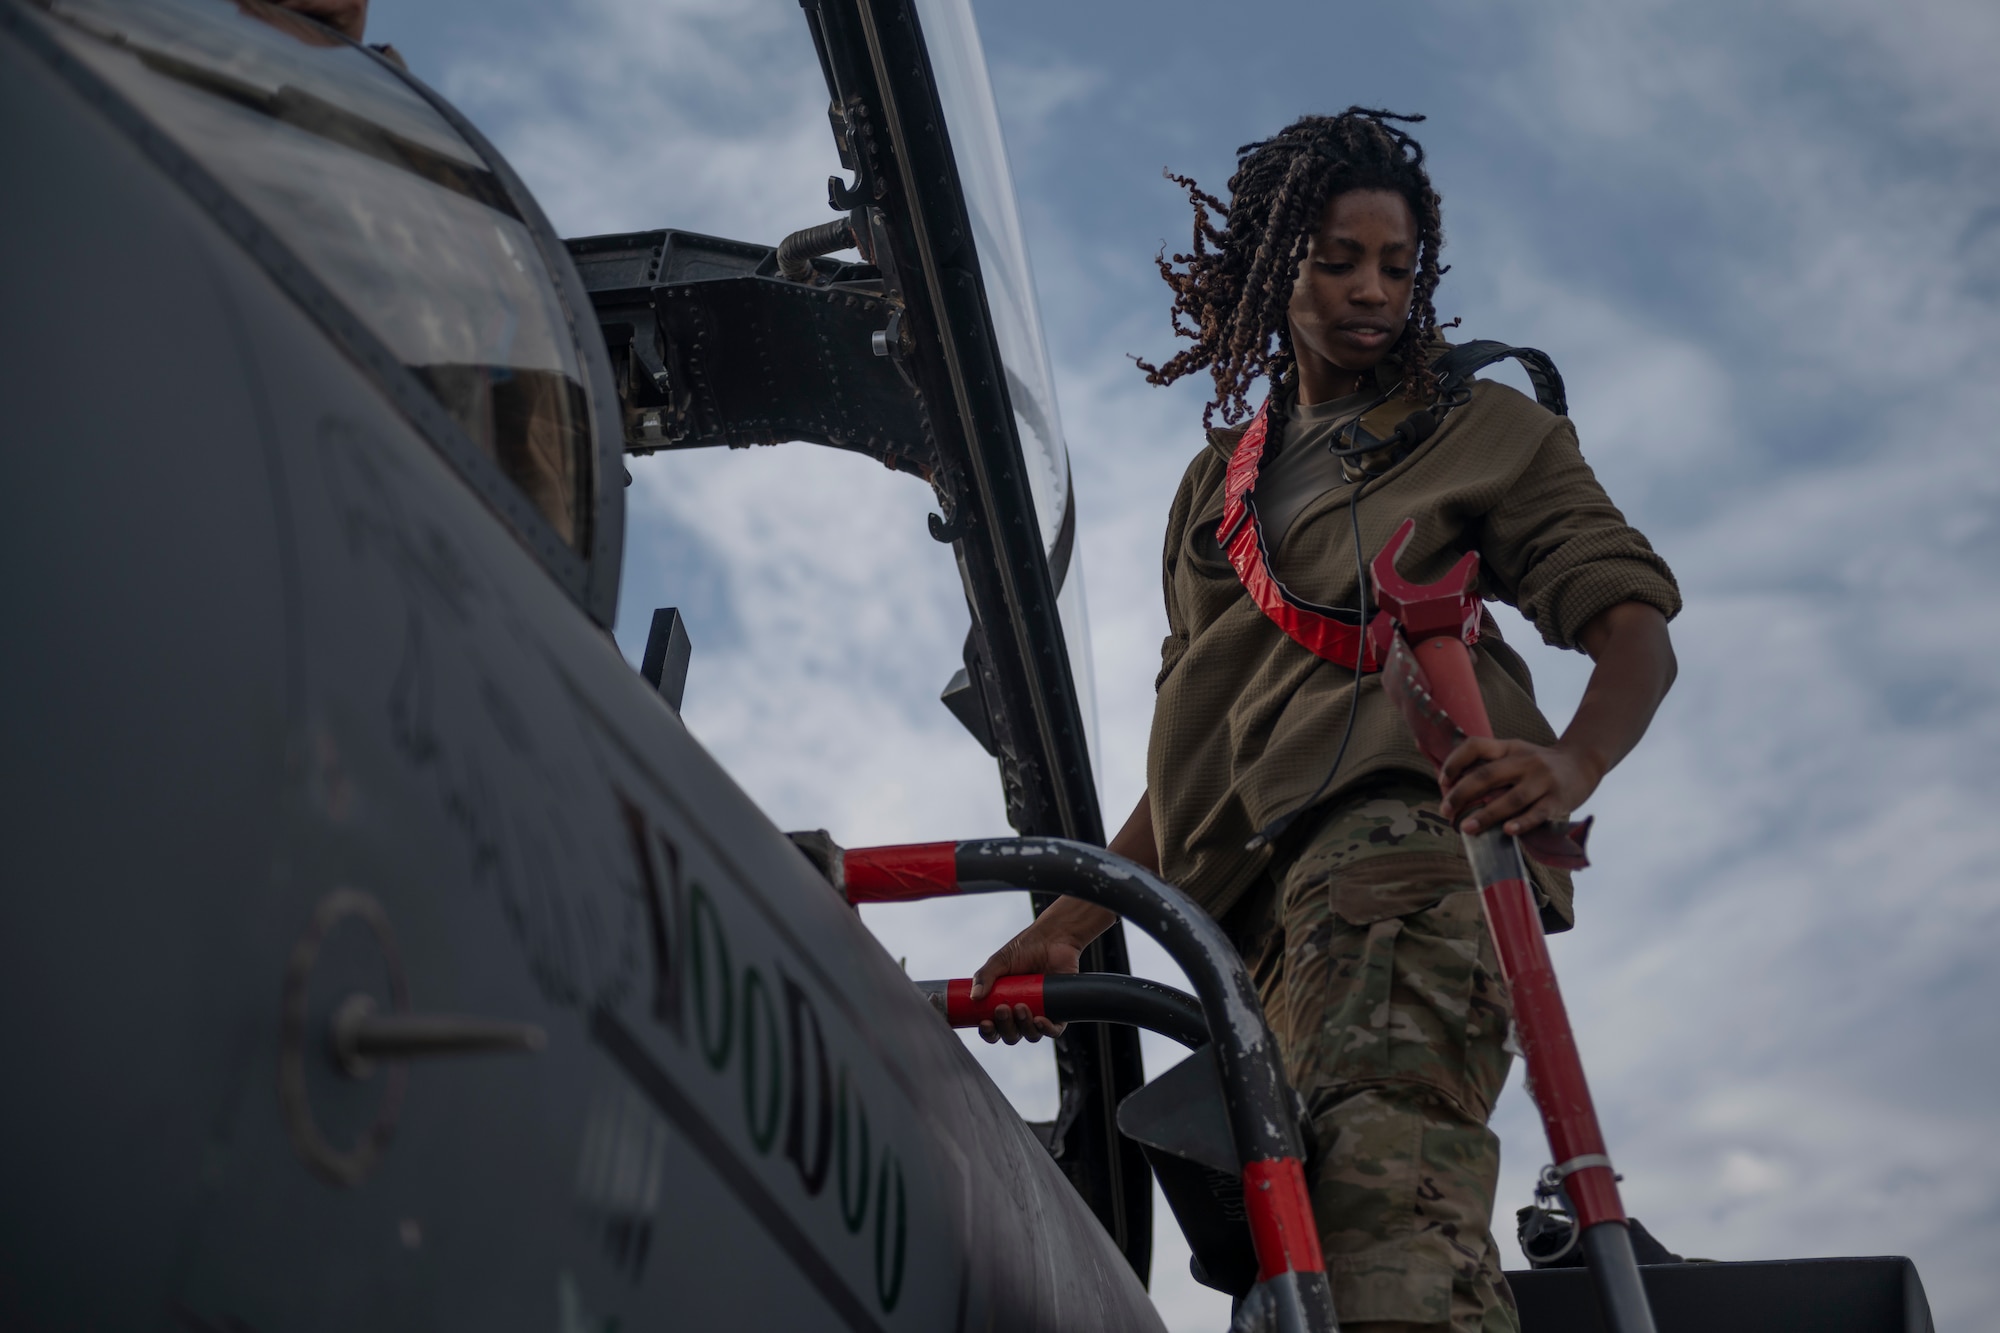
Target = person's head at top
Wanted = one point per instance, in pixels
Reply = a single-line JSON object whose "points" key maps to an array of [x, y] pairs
{"points": [[349, 18], [1321, 265]]}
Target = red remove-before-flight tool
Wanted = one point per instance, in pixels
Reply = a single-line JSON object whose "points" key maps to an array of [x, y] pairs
{"points": [[1428, 672]]}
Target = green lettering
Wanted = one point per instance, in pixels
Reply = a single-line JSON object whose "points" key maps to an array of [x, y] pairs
{"points": [[855, 1211], [715, 1036], [756, 1003], [889, 1266]]}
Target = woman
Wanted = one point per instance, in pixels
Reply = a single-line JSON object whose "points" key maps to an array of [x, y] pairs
{"points": [[1285, 793]]}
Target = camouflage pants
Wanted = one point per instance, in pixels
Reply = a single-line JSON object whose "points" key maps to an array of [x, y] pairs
{"points": [[1378, 978]]}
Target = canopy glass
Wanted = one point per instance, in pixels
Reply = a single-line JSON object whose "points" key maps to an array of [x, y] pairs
{"points": [[972, 122]]}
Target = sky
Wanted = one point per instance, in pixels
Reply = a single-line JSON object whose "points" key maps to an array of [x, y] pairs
{"points": [[1762, 241]]}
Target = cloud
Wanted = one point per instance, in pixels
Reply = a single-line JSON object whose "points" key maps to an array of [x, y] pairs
{"points": [[1035, 93], [1934, 55], [705, 115]]}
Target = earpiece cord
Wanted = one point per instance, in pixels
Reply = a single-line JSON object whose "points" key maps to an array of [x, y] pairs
{"points": [[1449, 398], [1276, 828]]}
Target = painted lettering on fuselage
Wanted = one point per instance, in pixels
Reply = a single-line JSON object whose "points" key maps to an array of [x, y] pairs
{"points": [[760, 1029]]}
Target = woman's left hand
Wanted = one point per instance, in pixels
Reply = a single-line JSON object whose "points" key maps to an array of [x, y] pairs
{"points": [[1528, 785], [1523, 784]]}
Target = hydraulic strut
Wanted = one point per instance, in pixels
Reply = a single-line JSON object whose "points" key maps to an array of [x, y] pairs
{"points": [[1291, 1275], [1429, 673]]}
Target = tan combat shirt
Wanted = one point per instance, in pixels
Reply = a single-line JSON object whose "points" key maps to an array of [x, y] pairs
{"points": [[1247, 720]]}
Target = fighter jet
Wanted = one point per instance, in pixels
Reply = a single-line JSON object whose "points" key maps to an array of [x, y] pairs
{"points": [[380, 948]]}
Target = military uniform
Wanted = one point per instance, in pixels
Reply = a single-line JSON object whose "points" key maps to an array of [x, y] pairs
{"points": [[1361, 926], [1378, 978]]}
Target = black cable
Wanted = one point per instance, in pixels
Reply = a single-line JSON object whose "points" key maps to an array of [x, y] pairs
{"points": [[1276, 828], [1414, 430]]}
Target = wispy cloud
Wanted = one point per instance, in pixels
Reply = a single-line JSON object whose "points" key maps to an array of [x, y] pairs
{"points": [[700, 114]]}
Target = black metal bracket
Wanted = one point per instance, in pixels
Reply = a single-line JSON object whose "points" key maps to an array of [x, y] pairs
{"points": [[711, 346], [668, 651]]}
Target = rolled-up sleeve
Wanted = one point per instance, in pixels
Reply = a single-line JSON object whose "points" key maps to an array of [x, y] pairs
{"points": [[1560, 551]]}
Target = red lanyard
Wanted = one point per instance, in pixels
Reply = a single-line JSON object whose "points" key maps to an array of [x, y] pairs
{"points": [[1331, 632]]}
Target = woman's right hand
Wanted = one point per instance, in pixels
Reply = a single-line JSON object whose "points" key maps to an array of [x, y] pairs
{"points": [[1053, 942]]}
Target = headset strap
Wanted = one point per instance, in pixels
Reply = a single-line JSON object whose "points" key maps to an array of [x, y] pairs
{"points": [[1459, 364]]}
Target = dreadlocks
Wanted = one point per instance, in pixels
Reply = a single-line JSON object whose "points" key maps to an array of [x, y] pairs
{"points": [[1231, 296]]}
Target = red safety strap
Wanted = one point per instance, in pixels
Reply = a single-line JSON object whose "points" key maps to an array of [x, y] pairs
{"points": [[1321, 630]]}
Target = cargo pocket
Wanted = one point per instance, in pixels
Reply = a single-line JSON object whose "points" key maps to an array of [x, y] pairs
{"points": [[1352, 992], [1368, 1190], [1412, 997], [1489, 1018], [1448, 1007]]}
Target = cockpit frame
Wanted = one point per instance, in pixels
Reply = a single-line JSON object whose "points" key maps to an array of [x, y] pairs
{"points": [[590, 575]]}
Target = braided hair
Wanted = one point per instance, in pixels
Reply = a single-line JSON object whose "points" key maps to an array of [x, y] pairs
{"points": [[1232, 293]]}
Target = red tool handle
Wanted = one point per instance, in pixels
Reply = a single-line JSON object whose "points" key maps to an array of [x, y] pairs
{"points": [[1454, 685], [1555, 1070]]}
